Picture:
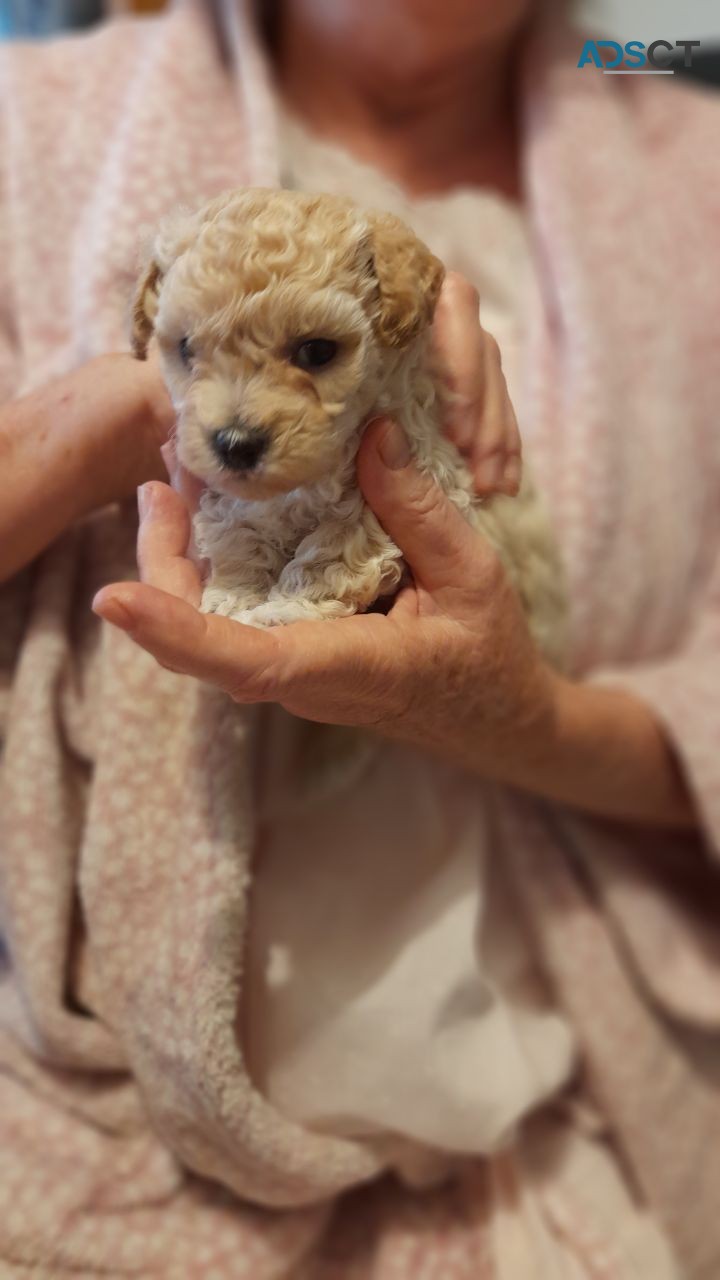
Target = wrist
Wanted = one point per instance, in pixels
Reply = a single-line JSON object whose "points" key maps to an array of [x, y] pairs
{"points": [[530, 753], [514, 749]]}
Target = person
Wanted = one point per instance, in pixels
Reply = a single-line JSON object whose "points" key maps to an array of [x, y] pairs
{"points": [[590, 798]]}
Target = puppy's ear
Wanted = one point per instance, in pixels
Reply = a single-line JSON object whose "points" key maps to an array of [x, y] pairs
{"points": [[145, 309], [175, 234], [408, 279]]}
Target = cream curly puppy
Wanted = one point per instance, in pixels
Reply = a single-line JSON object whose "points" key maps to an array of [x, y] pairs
{"points": [[284, 321]]}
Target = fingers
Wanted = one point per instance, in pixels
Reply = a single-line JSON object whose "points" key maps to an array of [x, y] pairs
{"points": [[310, 667], [183, 482], [497, 452], [437, 542], [458, 340], [244, 661], [163, 539], [169, 457], [479, 417], [161, 615]]}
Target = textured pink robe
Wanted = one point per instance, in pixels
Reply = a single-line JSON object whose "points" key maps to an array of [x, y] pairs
{"points": [[126, 812]]}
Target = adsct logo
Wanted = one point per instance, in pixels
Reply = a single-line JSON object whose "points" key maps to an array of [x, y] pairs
{"points": [[635, 58]]}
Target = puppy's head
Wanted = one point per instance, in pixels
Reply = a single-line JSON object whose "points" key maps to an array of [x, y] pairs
{"points": [[276, 314]]}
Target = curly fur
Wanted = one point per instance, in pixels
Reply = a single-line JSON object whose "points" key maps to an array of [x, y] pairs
{"points": [[242, 280]]}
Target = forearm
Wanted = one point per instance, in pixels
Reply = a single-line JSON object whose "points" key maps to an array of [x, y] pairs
{"points": [[605, 752], [62, 453]]}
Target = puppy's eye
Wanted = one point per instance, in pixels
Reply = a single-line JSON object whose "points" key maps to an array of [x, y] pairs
{"points": [[313, 353], [185, 352]]}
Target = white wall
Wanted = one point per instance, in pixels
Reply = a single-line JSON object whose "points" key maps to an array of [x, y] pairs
{"points": [[652, 19]]}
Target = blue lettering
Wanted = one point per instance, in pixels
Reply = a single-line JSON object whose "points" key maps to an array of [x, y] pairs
{"points": [[635, 53], [590, 54], [612, 44]]}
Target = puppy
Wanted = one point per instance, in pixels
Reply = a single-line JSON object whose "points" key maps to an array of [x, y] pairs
{"points": [[284, 321]]}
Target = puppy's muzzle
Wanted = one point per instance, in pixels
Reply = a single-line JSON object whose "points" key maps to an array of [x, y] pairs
{"points": [[238, 447]]}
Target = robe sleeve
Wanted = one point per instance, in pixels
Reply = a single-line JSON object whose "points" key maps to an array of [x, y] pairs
{"points": [[684, 691]]}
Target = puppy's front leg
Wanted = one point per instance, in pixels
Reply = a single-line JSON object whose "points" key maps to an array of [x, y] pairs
{"points": [[244, 563], [337, 570]]}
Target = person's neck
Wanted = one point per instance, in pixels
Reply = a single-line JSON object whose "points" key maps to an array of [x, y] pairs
{"points": [[441, 127]]}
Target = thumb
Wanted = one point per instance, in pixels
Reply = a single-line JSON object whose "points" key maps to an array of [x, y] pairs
{"points": [[439, 545]]}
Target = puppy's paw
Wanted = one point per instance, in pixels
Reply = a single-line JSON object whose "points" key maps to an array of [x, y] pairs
{"points": [[271, 614], [281, 612], [220, 600]]}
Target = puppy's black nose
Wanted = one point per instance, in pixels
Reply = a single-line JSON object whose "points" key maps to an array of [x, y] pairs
{"points": [[239, 448]]}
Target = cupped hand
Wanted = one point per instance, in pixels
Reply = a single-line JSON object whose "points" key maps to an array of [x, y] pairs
{"points": [[451, 667]]}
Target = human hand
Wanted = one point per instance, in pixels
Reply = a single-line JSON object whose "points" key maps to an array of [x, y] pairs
{"points": [[132, 422], [77, 443], [479, 418], [451, 667]]}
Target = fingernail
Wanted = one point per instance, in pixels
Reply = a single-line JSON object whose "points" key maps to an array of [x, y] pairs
{"points": [[113, 611], [144, 499], [167, 453], [393, 447]]}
